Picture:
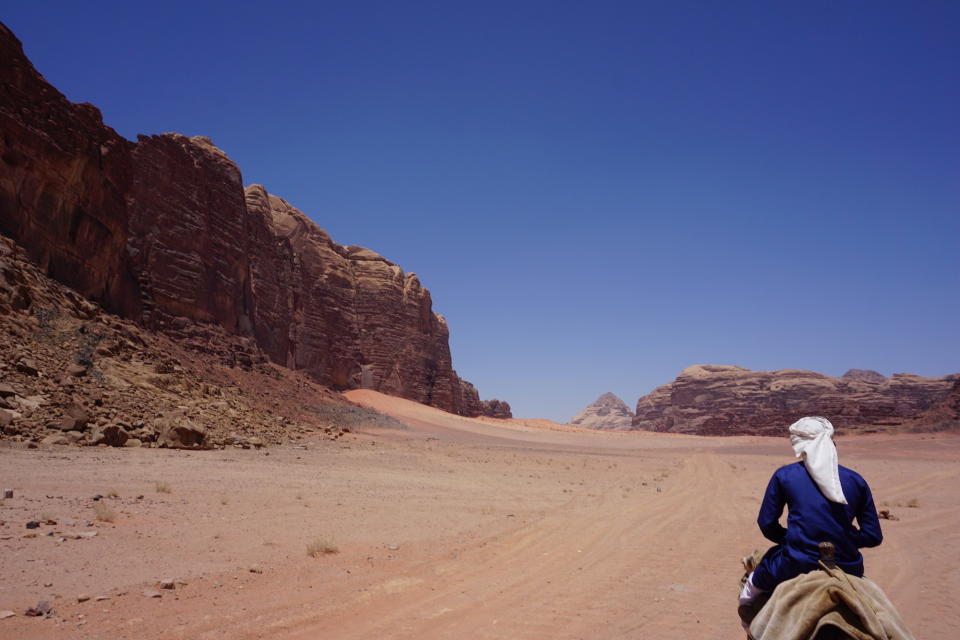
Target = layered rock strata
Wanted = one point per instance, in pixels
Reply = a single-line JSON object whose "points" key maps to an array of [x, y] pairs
{"points": [[728, 400], [162, 231], [607, 412]]}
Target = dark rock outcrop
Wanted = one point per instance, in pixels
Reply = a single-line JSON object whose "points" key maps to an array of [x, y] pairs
{"points": [[162, 232], [728, 400], [494, 408], [606, 412]]}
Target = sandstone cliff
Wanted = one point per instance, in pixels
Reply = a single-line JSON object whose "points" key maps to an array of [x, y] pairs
{"points": [[606, 412], [162, 231], [727, 400]]}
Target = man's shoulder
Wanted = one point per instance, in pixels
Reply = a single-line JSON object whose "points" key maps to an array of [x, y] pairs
{"points": [[790, 469]]}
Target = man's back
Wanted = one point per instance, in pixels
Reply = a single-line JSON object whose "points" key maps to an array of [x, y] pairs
{"points": [[813, 518]]}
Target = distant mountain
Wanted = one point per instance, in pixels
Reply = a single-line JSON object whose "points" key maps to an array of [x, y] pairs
{"points": [[607, 412], [728, 400]]}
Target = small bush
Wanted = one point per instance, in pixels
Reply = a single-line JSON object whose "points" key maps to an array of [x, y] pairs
{"points": [[162, 487], [113, 494], [103, 512], [913, 503], [321, 546]]}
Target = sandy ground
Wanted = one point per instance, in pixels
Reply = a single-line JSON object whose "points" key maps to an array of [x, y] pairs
{"points": [[455, 528]]}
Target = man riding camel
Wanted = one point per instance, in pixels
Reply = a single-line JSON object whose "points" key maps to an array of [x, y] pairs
{"points": [[823, 499]]}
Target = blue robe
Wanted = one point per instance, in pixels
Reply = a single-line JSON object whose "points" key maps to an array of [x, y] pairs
{"points": [[813, 519]]}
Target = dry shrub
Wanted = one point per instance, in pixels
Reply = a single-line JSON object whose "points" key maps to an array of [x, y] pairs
{"points": [[163, 487], [321, 546], [103, 512]]}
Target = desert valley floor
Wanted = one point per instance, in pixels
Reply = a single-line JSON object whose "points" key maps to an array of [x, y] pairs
{"points": [[453, 528]]}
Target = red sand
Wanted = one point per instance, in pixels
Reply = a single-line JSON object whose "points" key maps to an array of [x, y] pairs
{"points": [[455, 528]]}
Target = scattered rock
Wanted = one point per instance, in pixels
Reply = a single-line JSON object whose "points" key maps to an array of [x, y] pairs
{"points": [[393, 547], [33, 524], [28, 366], [56, 438], [101, 598], [256, 570], [7, 494], [76, 371], [167, 583], [6, 614], [6, 419], [75, 418], [112, 435], [255, 442], [886, 515], [133, 443], [152, 593], [42, 608], [83, 598]]}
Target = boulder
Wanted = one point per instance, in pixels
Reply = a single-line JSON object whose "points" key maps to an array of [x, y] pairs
{"points": [[76, 371], [75, 418], [177, 432], [111, 435]]}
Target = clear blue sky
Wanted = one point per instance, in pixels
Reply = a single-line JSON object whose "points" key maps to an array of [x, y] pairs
{"points": [[598, 194]]}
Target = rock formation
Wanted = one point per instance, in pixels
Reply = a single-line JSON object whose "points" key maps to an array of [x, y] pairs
{"points": [[728, 400], [606, 412], [162, 231], [72, 374], [494, 408]]}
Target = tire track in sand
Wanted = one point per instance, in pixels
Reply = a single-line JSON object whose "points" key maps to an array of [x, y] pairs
{"points": [[585, 572]]}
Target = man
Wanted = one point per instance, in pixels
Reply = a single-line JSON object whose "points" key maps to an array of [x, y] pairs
{"points": [[823, 499]]}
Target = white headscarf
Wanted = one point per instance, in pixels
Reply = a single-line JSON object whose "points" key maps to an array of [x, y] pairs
{"points": [[812, 440]]}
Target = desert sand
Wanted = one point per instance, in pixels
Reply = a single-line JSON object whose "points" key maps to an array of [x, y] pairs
{"points": [[453, 528]]}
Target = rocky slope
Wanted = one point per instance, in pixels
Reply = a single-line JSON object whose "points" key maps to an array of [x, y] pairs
{"points": [[606, 412], [163, 232], [71, 373], [728, 400]]}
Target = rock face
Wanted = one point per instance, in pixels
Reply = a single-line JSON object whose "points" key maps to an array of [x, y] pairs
{"points": [[494, 408], [728, 400], [606, 412], [348, 316], [162, 231]]}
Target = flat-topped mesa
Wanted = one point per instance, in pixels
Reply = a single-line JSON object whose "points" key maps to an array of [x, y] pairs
{"points": [[728, 400], [162, 231], [607, 412]]}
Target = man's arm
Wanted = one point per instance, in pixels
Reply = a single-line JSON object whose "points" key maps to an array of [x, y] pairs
{"points": [[869, 534], [770, 511]]}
